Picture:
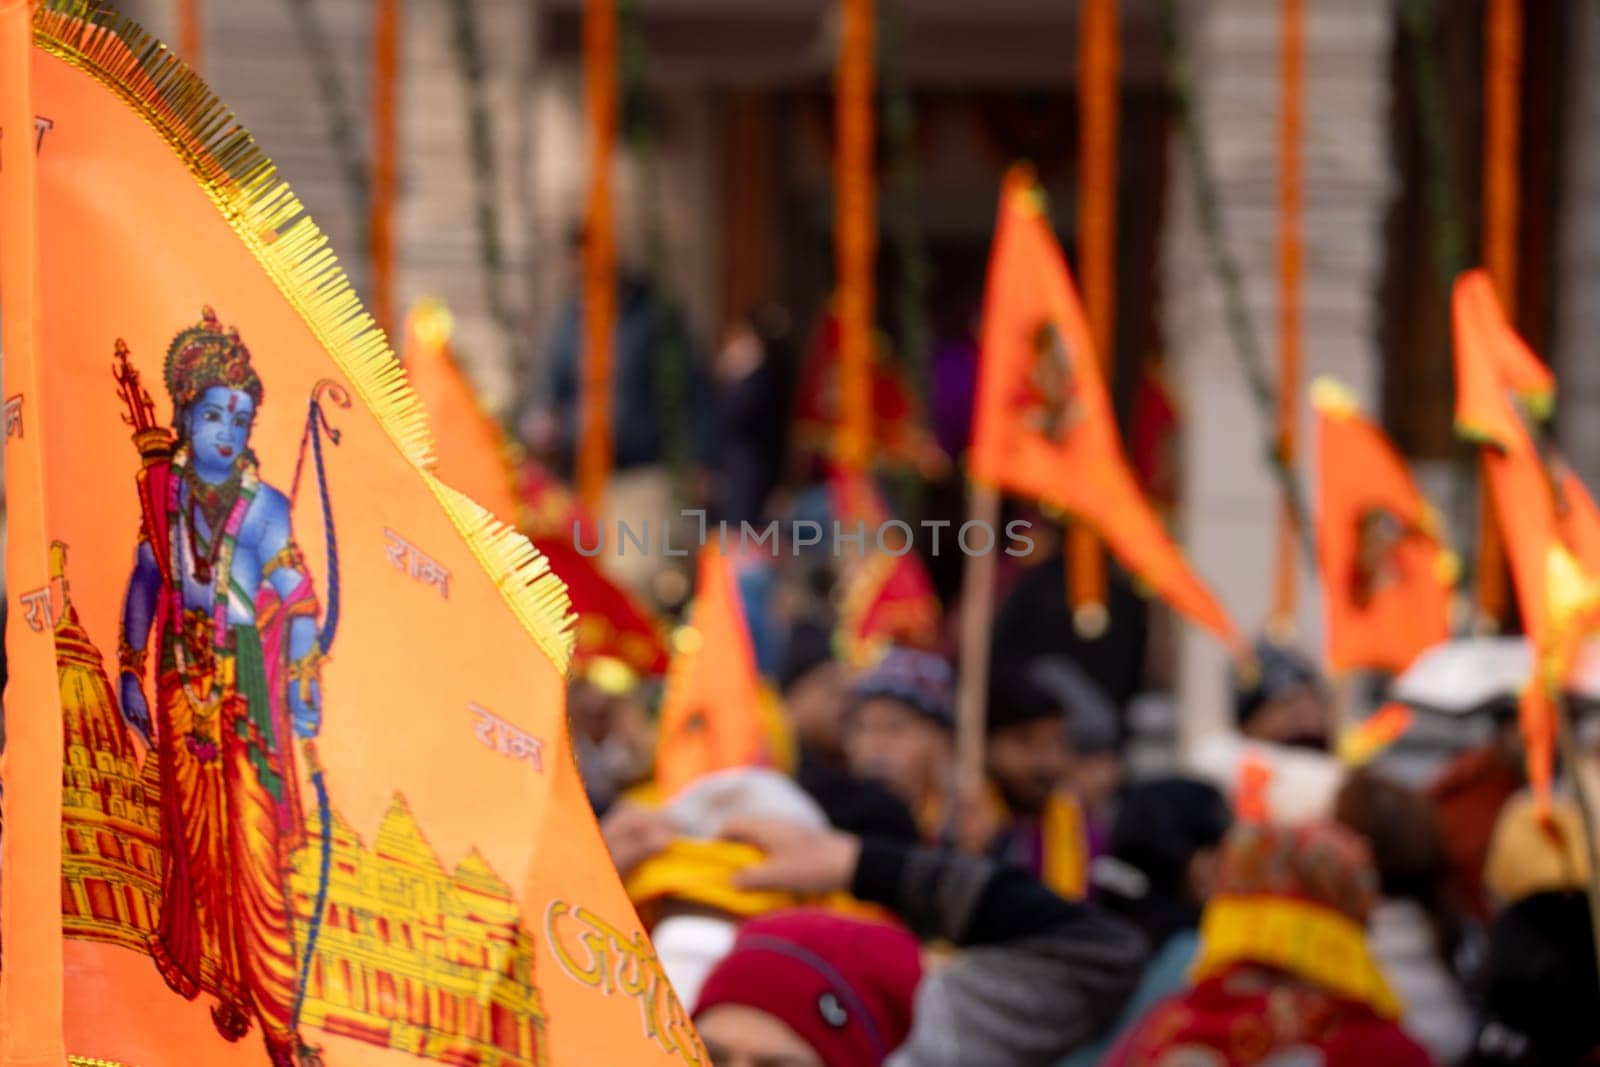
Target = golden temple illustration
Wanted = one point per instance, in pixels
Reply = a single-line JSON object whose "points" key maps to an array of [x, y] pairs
{"points": [[410, 956]]}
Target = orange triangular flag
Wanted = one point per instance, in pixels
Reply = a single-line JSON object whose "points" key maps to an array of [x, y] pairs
{"points": [[711, 713], [886, 595], [1559, 599], [1043, 426], [286, 711], [471, 452], [1386, 575]]}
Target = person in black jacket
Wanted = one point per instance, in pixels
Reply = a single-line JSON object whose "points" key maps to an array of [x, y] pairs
{"points": [[1034, 977]]}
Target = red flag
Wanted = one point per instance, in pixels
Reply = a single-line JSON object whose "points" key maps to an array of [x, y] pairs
{"points": [[1386, 575], [1044, 426], [888, 597], [612, 624], [900, 432], [711, 715]]}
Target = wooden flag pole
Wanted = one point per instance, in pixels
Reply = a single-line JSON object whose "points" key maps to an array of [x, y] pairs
{"points": [[977, 620], [1502, 102], [1099, 62], [855, 231], [595, 450], [380, 207], [1289, 273]]}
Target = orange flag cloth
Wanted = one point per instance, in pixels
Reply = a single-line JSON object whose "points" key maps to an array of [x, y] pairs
{"points": [[472, 453], [899, 427], [288, 778], [1386, 575], [1043, 426], [887, 595], [711, 716], [1558, 592], [474, 456]]}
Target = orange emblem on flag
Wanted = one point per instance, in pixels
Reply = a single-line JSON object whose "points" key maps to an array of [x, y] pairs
{"points": [[1043, 426], [711, 716], [1386, 575], [296, 728]]}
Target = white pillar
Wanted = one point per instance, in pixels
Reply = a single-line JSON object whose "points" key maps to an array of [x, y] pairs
{"points": [[1577, 311], [1229, 513]]}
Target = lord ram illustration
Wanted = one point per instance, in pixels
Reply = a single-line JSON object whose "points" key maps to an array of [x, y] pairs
{"points": [[205, 855]]}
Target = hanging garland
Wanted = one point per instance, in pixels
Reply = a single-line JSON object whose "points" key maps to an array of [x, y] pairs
{"points": [[595, 447], [855, 228], [1241, 328], [1289, 272], [385, 159]]}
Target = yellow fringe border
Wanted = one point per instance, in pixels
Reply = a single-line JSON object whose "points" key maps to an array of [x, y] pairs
{"points": [[270, 220]]}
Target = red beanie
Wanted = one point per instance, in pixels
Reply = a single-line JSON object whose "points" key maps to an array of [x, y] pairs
{"points": [[844, 985]]}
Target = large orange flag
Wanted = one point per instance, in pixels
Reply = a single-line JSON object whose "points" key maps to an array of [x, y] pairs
{"points": [[288, 778], [474, 456], [711, 716], [1386, 575], [1546, 524], [1043, 426], [887, 597], [471, 452]]}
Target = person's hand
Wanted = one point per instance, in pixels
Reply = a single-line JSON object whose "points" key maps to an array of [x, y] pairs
{"points": [[976, 822], [305, 714], [633, 834], [799, 859]]}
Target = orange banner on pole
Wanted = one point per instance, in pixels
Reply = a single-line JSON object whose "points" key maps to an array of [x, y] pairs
{"points": [[1099, 73], [1292, 47], [595, 439], [1386, 574], [268, 673], [385, 157], [711, 716], [855, 228], [472, 453], [1043, 425], [1502, 391]]}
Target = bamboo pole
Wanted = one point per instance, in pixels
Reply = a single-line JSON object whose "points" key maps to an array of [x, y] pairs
{"points": [[977, 620]]}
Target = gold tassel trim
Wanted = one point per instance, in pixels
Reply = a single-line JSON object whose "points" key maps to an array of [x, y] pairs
{"points": [[285, 240]]}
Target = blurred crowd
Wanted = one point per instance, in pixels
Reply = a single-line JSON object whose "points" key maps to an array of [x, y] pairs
{"points": [[853, 904]]}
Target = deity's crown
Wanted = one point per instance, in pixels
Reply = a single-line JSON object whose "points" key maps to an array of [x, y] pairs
{"points": [[205, 355]]}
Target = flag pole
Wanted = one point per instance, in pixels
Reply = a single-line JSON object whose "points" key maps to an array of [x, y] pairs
{"points": [[977, 618]]}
